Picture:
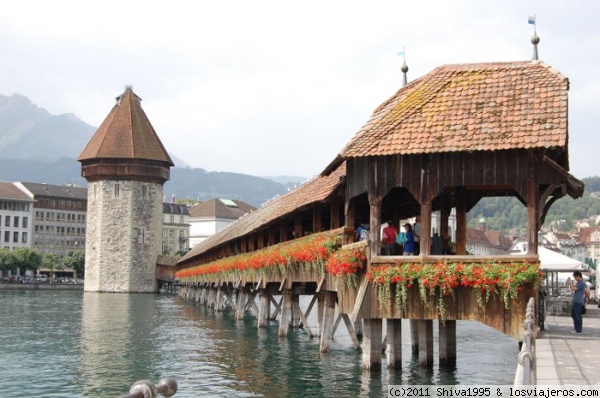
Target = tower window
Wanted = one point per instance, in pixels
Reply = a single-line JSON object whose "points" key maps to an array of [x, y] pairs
{"points": [[116, 190]]}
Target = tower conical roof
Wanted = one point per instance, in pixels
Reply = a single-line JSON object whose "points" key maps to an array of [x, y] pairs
{"points": [[126, 133]]}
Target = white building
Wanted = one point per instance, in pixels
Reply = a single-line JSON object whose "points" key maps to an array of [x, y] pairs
{"points": [[208, 217], [175, 228], [16, 217]]}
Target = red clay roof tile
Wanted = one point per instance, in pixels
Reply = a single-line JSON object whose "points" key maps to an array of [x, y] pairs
{"points": [[126, 133], [470, 107]]}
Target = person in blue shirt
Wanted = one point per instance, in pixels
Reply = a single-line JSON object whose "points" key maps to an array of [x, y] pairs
{"points": [[409, 246], [578, 287]]}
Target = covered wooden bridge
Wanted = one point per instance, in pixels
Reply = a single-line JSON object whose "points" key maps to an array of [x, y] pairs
{"points": [[441, 143]]}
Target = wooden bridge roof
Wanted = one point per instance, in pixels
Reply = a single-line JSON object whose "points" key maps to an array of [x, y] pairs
{"points": [[126, 133], [314, 191], [469, 107]]}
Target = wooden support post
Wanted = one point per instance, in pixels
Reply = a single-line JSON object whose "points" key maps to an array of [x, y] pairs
{"points": [[295, 311], [320, 308], [218, 299], [336, 324], [372, 343], [327, 324], [461, 221], [351, 331], [414, 336], [425, 238], [394, 343], [447, 342], [358, 328], [277, 307], [241, 303], [265, 309], [426, 343], [284, 322]]}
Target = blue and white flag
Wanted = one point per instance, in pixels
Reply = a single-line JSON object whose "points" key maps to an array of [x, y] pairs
{"points": [[401, 53], [531, 20]]}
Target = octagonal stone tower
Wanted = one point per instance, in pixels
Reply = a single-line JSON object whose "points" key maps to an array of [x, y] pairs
{"points": [[126, 167]]}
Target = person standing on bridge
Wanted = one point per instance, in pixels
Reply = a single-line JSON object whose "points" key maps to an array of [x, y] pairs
{"points": [[578, 287]]}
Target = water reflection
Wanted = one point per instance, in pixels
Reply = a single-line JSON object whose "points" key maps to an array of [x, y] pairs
{"points": [[71, 344]]}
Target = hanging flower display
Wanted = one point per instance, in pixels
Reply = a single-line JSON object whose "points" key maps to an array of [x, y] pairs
{"points": [[345, 264], [311, 252], [440, 279]]}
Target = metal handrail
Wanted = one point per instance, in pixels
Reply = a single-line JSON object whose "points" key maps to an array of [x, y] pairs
{"points": [[166, 387], [527, 362]]}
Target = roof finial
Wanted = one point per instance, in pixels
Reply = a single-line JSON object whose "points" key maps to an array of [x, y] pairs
{"points": [[535, 39], [404, 68]]}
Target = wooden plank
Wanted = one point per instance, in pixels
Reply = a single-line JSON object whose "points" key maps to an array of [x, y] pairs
{"points": [[394, 343], [372, 343], [277, 307], [305, 322], [284, 322], [328, 314], [337, 322], [351, 331], [360, 297], [263, 313]]}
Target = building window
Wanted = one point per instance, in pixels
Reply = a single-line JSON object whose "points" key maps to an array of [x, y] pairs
{"points": [[172, 219], [15, 237], [144, 191], [24, 237], [180, 219], [6, 236], [25, 222], [116, 190], [16, 222], [7, 221]]}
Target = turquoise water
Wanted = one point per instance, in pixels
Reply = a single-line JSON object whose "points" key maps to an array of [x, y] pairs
{"points": [[74, 344]]}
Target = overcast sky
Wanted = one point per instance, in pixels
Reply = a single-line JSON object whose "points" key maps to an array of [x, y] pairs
{"points": [[279, 87]]}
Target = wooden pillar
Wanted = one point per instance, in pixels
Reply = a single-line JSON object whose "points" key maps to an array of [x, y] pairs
{"points": [[218, 303], [447, 342], [414, 336], [260, 241], [426, 343], [358, 328], [532, 206], [425, 238], [328, 314], [350, 214], [295, 320], [335, 214], [282, 232], [372, 343], [271, 236], [461, 221], [375, 225], [394, 343], [320, 309], [444, 216], [264, 309], [286, 313], [240, 308], [316, 219], [298, 232]]}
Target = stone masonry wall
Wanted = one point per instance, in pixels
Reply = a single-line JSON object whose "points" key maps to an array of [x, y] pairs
{"points": [[123, 236]]}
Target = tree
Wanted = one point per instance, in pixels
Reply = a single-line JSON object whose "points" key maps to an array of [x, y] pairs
{"points": [[6, 260], [52, 262], [75, 259], [26, 259]]}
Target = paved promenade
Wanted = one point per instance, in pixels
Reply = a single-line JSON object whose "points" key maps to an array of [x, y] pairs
{"points": [[568, 359]]}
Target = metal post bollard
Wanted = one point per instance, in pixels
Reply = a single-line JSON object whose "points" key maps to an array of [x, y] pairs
{"points": [[146, 389]]}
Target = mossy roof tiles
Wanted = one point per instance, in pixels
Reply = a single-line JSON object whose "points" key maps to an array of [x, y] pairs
{"points": [[470, 107]]}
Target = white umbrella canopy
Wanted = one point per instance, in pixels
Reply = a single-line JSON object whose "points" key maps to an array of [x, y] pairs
{"points": [[553, 261]]}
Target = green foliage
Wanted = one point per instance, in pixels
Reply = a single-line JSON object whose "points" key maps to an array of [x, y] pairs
{"points": [[25, 258], [504, 213], [52, 261], [75, 259]]}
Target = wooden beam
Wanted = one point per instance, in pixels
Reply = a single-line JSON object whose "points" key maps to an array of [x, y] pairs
{"points": [[328, 314], [372, 343], [426, 343], [447, 343], [394, 343], [265, 308], [284, 322], [461, 221], [351, 331]]}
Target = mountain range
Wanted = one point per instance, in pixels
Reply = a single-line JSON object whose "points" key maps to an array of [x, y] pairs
{"points": [[36, 146]]}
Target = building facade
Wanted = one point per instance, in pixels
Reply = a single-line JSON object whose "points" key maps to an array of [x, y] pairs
{"points": [[175, 229], [59, 216], [211, 216], [16, 216]]}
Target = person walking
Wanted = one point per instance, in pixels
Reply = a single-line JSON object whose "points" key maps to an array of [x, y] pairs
{"points": [[389, 239], [578, 287], [409, 246]]}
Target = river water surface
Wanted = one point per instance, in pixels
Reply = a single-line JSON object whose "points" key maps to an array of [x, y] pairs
{"points": [[74, 344]]}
